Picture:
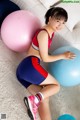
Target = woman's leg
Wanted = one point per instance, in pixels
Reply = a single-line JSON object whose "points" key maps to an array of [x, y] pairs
{"points": [[33, 89], [51, 86], [44, 109]]}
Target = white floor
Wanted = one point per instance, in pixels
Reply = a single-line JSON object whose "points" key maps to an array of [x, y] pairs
{"points": [[67, 101]]}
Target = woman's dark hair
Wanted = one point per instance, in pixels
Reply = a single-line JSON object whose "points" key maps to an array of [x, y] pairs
{"points": [[56, 12]]}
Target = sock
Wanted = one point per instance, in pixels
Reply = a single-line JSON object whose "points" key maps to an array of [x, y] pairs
{"points": [[38, 97]]}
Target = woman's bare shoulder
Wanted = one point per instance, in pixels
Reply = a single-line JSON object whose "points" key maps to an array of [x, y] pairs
{"points": [[42, 35]]}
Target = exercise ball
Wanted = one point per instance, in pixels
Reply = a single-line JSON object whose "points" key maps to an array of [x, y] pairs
{"points": [[67, 72], [18, 29], [66, 117], [7, 7]]}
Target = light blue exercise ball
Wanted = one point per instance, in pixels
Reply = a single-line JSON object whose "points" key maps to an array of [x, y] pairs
{"points": [[67, 72], [66, 117]]}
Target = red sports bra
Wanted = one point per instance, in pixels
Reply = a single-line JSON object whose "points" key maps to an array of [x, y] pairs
{"points": [[35, 44]]}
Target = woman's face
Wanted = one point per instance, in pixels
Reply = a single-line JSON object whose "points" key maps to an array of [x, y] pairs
{"points": [[56, 24]]}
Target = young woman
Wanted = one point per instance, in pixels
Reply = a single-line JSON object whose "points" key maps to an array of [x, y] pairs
{"points": [[32, 75]]}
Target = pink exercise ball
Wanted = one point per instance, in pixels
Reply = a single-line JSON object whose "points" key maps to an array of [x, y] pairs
{"points": [[18, 29]]}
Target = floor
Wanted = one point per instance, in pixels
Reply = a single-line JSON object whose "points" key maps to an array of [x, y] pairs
{"points": [[67, 101]]}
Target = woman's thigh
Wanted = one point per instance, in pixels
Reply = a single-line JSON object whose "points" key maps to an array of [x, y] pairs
{"points": [[49, 80]]}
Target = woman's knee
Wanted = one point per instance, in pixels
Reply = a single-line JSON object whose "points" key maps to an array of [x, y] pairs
{"points": [[57, 88]]}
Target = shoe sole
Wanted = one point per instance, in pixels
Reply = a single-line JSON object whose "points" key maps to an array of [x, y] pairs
{"points": [[28, 108]]}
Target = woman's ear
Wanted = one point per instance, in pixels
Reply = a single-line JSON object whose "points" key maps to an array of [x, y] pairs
{"points": [[49, 18]]}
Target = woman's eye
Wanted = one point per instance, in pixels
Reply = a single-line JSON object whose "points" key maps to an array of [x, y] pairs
{"points": [[57, 21]]}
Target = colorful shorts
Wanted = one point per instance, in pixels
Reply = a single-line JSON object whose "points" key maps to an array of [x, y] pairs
{"points": [[30, 71]]}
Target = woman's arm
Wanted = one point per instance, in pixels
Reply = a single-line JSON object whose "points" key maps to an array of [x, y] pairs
{"points": [[43, 49]]}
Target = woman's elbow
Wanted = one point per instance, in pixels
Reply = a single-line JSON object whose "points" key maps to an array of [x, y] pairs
{"points": [[45, 59]]}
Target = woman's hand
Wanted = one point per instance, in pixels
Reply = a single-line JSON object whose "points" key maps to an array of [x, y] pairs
{"points": [[68, 55]]}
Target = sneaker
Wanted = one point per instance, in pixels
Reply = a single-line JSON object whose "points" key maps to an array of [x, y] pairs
{"points": [[31, 106]]}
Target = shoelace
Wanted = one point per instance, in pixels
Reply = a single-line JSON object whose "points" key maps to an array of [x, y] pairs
{"points": [[35, 108]]}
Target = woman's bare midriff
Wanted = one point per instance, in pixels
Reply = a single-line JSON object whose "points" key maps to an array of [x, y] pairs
{"points": [[33, 52]]}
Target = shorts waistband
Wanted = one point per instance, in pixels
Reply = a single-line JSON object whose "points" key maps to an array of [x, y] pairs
{"points": [[33, 56]]}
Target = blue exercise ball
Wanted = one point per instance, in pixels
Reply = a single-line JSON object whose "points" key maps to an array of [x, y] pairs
{"points": [[6, 7], [66, 117], [67, 72]]}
